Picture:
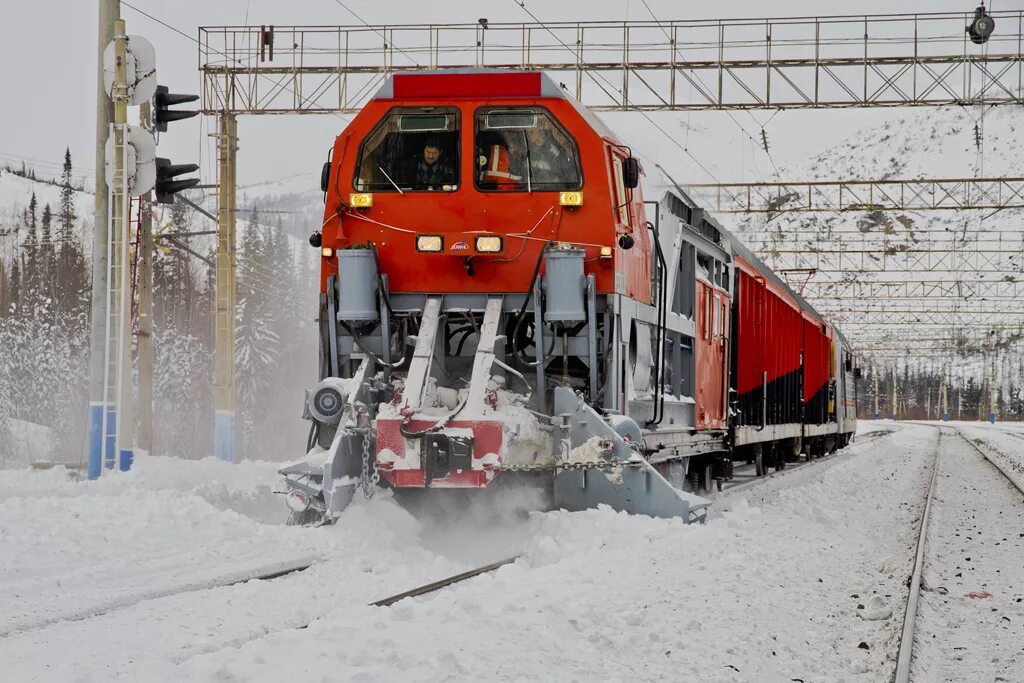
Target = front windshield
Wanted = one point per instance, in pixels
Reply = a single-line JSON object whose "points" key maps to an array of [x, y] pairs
{"points": [[411, 150], [523, 149]]}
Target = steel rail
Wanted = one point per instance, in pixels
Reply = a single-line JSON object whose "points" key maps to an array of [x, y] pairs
{"points": [[443, 583], [906, 648], [1013, 482], [275, 571]]}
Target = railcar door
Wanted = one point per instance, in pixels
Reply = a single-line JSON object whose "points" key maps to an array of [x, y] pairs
{"points": [[712, 323]]}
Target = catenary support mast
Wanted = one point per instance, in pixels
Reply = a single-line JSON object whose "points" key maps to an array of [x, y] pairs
{"points": [[224, 361]]}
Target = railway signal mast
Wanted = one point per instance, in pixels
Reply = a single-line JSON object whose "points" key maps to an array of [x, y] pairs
{"points": [[131, 170]]}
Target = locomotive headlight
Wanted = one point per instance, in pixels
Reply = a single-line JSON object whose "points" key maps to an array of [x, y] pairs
{"points": [[326, 252], [606, 252], [488, 244], [360, 201], [570, 198], [429, 243]]}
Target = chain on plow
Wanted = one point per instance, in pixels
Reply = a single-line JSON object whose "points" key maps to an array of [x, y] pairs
{"points": [[601, 465], [371, 475]]}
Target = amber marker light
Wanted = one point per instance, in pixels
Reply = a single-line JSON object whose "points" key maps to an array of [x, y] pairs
{"points": [[429, 243], [488, 244], [570, 198], [360, 201], [327, 252]]}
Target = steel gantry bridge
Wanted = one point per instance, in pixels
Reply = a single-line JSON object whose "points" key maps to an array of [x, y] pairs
{"points": [[799, 62], [891, 60]]}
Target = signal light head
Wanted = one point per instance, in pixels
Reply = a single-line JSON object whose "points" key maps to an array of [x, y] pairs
{"points": [[360, 201], [570, 198], [166, 185], [429, 243], [489, 244], [162, 100]]}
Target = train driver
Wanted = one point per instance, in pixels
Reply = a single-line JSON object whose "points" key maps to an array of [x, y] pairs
{"points": [[433, 171]]}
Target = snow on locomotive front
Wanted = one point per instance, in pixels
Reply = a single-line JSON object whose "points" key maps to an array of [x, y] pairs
{"points": [[487, 303]]}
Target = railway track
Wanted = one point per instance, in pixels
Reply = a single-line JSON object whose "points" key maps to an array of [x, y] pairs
{"points": [[905, 656], [277, 571], [750, 480], [267, 572]]}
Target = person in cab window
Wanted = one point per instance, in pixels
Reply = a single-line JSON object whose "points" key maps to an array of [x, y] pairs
{"points": [[495, 163], [433, 171], [551, 162]]}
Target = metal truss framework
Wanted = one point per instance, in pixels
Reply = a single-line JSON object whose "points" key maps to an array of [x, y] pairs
{"points": [[801, 62], [822, 291], [861, 195], [968, 259]]}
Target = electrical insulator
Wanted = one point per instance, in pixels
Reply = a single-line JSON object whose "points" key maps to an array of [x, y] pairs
{"points": [[981, 26]]}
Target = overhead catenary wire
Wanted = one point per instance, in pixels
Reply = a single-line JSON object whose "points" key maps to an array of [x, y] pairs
{"points": [[593, 77]]}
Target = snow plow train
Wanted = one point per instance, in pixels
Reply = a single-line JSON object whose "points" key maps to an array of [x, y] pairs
{"points": [[498, 302]]}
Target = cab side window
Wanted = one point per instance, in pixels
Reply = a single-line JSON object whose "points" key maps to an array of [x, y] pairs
{"points": [[524, 149], [621, 196], [412, 150]]}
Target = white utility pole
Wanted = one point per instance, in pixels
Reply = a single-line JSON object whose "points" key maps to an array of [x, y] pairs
{"points": [[877, 413], [945, 393], [993, 391], [894, 392]]}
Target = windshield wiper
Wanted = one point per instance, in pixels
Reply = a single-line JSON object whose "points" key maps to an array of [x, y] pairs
{"points": [[393, 183]]}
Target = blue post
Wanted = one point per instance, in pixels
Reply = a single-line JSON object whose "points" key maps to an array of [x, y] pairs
{"points": [[126, 459], [224, 435], [95, 440], [945, 417], [877, 415], [110, 447], [992, 418]]}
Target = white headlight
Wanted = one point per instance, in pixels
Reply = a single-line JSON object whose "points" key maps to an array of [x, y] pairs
{"points": [[488, 244], [429, 243]]}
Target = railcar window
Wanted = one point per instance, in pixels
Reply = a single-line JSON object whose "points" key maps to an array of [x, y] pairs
{"points": [[524, 149], [410, 150]]}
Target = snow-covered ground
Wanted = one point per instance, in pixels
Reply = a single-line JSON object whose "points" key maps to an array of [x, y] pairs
{"points": [[970, 622], [106, 580]]}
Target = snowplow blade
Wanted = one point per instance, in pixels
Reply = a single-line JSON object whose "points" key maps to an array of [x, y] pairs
{"points": [[637, 489], [622, 479]]}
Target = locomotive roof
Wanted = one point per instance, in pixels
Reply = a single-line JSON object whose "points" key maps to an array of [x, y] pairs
{"points": [[483, 84]]}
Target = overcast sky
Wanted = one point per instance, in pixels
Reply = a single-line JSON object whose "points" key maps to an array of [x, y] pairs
{"points": [[49, 74]]}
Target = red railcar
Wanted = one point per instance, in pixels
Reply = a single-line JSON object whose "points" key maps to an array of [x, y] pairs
{"points": [[788, 366]]}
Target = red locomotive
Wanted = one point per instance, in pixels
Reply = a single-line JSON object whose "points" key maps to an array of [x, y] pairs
{"points": [[498, 301]]}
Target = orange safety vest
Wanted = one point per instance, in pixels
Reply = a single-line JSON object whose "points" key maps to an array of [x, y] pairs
{"points": [[498, 170]]}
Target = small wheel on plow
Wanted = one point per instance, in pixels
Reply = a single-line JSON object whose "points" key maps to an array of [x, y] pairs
{"points": [[308, 517], [759, 460]]}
